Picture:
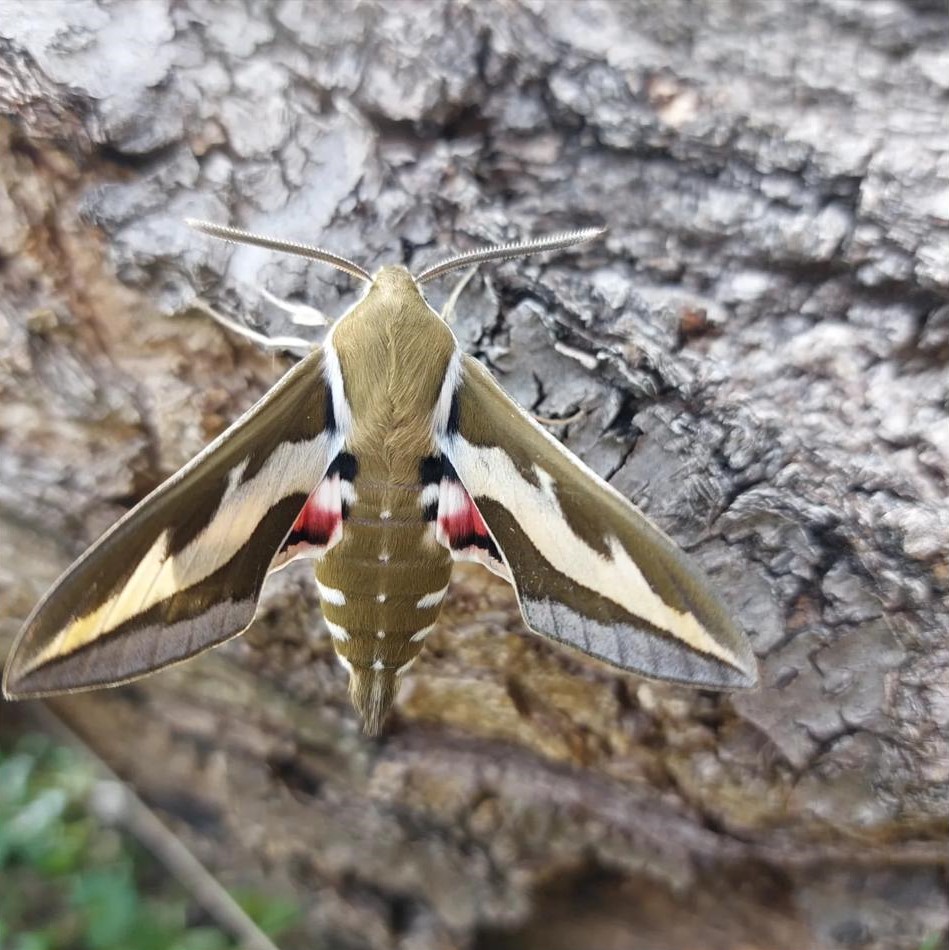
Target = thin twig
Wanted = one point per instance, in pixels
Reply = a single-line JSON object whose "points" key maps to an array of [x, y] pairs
{"points": [[115, 802]]}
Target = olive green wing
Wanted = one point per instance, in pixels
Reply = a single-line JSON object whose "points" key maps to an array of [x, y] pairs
{"points": [[183, 570], [590, 570]]}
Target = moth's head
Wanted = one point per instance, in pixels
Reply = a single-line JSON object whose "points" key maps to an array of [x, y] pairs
{"points": [[394, 277], [469, 259]]}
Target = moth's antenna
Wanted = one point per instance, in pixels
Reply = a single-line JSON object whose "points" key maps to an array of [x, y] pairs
{"points": [[501, 252], [237, 236]]}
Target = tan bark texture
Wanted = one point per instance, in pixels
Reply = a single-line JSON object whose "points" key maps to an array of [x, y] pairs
{"points": [[757, 354]]}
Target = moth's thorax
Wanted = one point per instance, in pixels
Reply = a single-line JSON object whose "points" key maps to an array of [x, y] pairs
{"points": [[393, 351]]}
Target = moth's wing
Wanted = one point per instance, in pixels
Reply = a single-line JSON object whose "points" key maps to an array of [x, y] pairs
{"points": [[590, 570], [460, 527], [319, 524], [183, 570]]}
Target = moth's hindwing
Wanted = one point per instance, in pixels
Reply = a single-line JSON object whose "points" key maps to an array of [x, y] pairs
{"points": [[460, 527], [183, 570], [590, 570]]}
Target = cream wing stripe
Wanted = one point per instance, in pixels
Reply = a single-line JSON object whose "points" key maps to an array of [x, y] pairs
{"points": [[160, 575], [490, 473]]}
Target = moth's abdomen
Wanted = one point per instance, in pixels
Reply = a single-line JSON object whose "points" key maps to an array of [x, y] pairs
{"points": [[382, 586], [380, 611]]}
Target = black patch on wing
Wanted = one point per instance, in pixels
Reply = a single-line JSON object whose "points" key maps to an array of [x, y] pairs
{"points": [[483, 541], [431, 469], [345, 465], [454, 415], [305, 535], [470, 539], [431, 472], [329, 422], [315, 525]]}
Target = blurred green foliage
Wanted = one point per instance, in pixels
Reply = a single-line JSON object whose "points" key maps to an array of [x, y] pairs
{"points": [[68, 881]]}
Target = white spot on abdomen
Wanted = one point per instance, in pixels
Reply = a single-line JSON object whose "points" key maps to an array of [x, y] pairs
{"points": [[331, 595], [336, 631], [423, 633], [432, 599]]}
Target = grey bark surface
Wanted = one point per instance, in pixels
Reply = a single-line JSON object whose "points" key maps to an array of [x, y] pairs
{"points": [[756, 354]]}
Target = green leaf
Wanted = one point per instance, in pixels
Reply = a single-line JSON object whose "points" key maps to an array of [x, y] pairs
{"points": [[109, 903], [273, 915], [159, 924], [201, 938], [32, 941], [15, 771], [33, 745], [67, 850], [37, 816], [83, 880]]}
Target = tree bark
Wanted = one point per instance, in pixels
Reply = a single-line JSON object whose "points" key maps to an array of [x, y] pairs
{"points": [[756, 355]]}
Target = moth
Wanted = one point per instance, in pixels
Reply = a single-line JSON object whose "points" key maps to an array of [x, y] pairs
{"points": [[383, 456]]}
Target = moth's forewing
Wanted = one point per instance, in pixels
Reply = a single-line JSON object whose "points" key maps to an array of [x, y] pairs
{"points": [[589, 568], [183, 570]]}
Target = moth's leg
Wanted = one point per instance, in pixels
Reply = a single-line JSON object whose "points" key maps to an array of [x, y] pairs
{"points": [[448, 311], [294, 344], [301, 314], [547, 421]]}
